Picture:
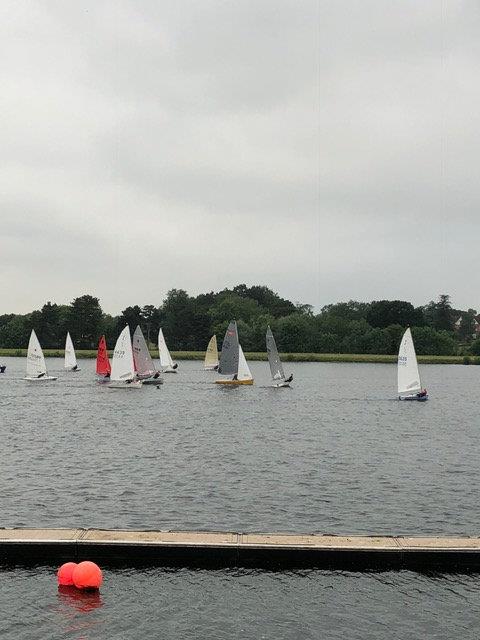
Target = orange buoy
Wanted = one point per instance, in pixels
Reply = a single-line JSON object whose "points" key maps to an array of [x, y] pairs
{"points": [[87, 575], [64, 574]]}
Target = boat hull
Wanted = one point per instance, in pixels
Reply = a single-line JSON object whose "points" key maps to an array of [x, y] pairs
{"points": [[152, 381], [233, 383], [169, 370], [413, 398], [279, 385], [42, 379], [136, 384], [72, 370], [213, 367]]}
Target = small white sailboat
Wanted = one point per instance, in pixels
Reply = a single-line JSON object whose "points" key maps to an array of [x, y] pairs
{"points": [[232, 359], [123, 366], [409, 384], [211, 355], [144, 366], [276, 367], [166, 362], [36, 367], [70, 357]]}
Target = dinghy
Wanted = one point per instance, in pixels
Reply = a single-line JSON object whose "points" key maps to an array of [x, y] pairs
{"points": [[70, 357], [166, 362], [211, 355], [232, 359], [276, 367], [409, 385], [103, 368], [123, 366], [144, 366], [36, 367]]}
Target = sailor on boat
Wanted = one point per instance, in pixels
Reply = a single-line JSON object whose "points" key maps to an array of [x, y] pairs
{"points": [[422, 394], [2, 368]]}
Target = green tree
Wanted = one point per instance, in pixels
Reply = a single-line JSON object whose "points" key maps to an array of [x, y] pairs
{"points": [[443, 317], [85, 321], [467, 325], [383, 313], [431, 342]]}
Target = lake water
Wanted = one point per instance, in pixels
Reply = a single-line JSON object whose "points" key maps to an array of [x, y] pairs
{"points": [[336, 453]]}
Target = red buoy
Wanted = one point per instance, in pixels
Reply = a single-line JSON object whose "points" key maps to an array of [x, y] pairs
{"points": [[87, 575], [64, 574]]}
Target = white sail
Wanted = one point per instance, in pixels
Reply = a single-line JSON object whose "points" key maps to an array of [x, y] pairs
{"points": [[35, 359], [243, 369], [70, 357], [141, 355], [211, 355], [122, 363], [165, 357], [408, 374]]}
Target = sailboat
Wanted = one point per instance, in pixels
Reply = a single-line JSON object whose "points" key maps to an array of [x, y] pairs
{"points": [[232, 359], [211, 355], [166, 361], [409, 385], [36, 367], [144, 367], [103, 367], [276, 367], [70, 357], [123, 366]]}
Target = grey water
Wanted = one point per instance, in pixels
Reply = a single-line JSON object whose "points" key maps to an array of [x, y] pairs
{"points": [[336, 453]]}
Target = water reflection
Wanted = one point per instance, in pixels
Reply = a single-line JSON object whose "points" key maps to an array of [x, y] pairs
{"points": [[79, 600], [77, 612]]}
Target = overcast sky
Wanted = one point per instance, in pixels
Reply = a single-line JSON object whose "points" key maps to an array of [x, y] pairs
{"points": [[327, 149]]}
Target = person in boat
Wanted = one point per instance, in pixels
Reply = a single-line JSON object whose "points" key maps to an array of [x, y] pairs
{"points": [[175, 366], [75, 367], [422, 393], [2, 368], [235, 376], [215, 368], [40, 375], [290, 378], [156, 375]]}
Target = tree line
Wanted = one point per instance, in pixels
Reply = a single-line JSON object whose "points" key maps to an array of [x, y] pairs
{"points": [[188, 322]]}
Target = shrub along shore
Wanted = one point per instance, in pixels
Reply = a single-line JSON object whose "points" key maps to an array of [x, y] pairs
{"points": [[286, 357]]}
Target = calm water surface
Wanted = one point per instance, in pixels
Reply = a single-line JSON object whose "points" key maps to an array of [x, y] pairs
{"points": [[334, 454]]}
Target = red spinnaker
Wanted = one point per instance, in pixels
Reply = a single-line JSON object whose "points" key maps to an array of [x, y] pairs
{"points": [[103, 363]]}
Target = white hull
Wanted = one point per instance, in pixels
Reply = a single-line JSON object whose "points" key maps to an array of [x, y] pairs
{"points": [[72, 370], [42, 379], [278, 385], [169, 370], [136, 384], [212, 367]]}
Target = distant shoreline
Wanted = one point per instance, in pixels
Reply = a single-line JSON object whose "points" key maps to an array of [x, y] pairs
{"points": [[286, 357]]}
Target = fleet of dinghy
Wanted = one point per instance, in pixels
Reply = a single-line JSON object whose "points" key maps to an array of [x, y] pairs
{"points": [[123, 366], [211, 355], [103, 368], [36, 367], [166, 362], [132, 364], [232, 360], [70, 357], [276, 367], [144, 366], [409, 385]]}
